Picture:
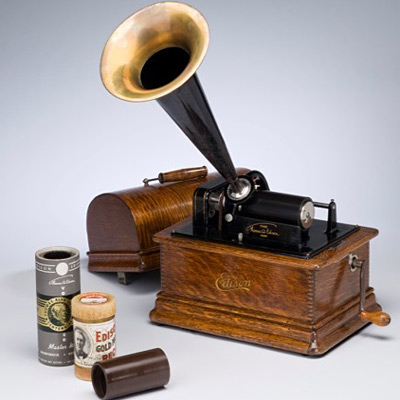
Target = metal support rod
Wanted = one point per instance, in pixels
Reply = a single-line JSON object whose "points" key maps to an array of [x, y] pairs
{"points": [[359, 264], [320, 205]]}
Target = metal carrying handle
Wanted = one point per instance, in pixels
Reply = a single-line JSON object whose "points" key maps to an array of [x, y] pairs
{"points": [[179, 175], [379, 318]]}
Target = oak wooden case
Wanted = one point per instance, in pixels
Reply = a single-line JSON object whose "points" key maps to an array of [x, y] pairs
{"points": [[121, 225], [302, 305]]}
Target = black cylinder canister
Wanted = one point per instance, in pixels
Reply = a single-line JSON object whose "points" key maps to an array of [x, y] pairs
{"points": [[280, 207], [57, 281]]}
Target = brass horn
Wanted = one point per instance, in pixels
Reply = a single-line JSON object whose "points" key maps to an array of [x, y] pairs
{"points": [[154, 55]]}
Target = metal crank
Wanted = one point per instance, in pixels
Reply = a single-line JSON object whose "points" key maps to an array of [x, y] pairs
{"points": [[379, 318]]}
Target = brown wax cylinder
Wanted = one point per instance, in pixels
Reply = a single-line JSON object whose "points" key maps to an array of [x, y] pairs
{"points": [[130, 374]]}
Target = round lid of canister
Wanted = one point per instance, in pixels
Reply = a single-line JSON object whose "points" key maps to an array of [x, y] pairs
{"points": [[93, 306]]}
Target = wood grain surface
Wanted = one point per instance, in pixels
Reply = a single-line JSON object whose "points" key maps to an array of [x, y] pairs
{"points": [[305, 306], [121, 225]]}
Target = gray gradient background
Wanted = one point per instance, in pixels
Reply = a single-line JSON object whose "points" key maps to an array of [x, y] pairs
{"points": [[305, 91]]}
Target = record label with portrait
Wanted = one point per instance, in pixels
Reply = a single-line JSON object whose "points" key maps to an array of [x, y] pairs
{"points": [[94, 342]]}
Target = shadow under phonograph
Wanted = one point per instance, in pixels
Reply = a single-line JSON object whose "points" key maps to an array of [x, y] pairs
{"points": [[146, 282]]}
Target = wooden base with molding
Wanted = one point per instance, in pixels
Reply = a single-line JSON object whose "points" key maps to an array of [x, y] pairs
{"points": [[305, 306]]}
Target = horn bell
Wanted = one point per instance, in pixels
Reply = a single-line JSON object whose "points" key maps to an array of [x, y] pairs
{"points": [[154, 55], [157, 27]]}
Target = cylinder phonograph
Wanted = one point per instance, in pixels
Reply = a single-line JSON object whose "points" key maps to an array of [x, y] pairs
{"points": [[251, 263]]}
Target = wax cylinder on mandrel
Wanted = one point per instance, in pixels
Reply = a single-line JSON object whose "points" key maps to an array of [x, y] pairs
{"points": [[57, 282], [94, 330]]}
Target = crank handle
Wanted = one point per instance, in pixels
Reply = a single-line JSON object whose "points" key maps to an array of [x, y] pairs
{"points": [[179, 175], [379, 318]]}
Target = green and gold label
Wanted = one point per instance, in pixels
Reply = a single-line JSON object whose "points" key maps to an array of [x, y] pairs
{"points": [[54, 313]]}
